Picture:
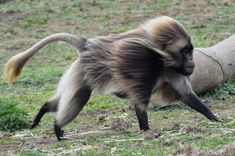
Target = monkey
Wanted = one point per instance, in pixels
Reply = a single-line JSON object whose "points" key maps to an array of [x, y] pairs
{"points": [[154, 58]]}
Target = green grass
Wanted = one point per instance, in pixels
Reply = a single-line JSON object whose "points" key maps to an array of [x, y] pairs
{"points": [[25, 22], [12, 116], [34, 21]]}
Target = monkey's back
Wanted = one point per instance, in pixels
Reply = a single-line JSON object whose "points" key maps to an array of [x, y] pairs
{"points": [[96, 63], [106, 60], [98, 58]]}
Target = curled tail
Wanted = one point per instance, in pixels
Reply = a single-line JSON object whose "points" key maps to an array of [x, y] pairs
{"points": [[15, 65]]}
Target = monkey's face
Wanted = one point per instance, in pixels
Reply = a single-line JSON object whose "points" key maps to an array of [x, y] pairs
{"points": [[171, 38], [185, 59], [188, 64]]}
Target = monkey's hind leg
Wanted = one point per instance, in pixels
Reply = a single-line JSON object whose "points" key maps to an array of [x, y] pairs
{"points": [[69, 108], [49, 106], [142, 117]]}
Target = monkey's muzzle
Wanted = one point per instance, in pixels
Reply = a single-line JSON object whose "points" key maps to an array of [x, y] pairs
{"points": [[189, 69]]}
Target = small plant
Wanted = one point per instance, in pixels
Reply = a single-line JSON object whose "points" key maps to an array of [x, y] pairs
{"points": [[12, 117]]}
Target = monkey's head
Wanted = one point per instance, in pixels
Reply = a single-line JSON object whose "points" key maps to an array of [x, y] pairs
{"points": [[173, 42]]}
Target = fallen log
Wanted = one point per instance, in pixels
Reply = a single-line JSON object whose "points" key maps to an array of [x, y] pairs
{"points": [[214, 65]]}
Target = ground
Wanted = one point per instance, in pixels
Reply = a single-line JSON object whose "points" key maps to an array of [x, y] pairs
{"points": [[107, 125]]}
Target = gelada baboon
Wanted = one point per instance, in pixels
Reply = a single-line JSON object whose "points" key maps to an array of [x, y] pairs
{"points": [[156, 57]]}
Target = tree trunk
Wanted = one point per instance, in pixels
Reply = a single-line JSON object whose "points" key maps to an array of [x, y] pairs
{"points": [[214, 65]]}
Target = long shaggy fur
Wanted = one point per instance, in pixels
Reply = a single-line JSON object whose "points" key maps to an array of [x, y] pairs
{"points": [[111, 58], [155, 34], [131, 65]]}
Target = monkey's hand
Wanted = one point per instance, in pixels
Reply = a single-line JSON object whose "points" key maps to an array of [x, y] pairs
{"points": [[212, 117], [195, 103]]}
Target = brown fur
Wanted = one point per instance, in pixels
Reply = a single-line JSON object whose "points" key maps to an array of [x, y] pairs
{"points": [[132, 65], [165, 95], [162, 30], [14, 67]]}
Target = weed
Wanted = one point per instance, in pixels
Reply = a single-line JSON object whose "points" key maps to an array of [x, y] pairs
{"points": [[12, 117]]}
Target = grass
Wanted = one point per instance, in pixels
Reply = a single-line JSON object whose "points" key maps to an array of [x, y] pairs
{"points": [[12, 118], [25, 22]]}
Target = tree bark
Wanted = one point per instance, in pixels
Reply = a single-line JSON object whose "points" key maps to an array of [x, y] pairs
{"points": [[214, 65]]}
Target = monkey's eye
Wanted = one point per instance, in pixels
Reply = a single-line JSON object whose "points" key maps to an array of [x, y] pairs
{"points": [[186, 51]]}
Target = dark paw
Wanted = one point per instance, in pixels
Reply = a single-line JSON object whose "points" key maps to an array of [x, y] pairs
{"points": [[213, 118], [216, 119], [33, 125], [58, 132], [145, 129]]}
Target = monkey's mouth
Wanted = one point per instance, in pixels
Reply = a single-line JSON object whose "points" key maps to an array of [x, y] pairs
{"points": [[188, 71]]}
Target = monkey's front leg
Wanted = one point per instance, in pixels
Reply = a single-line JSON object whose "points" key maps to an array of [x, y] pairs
{"points": [[195, 103], [182, 85]]}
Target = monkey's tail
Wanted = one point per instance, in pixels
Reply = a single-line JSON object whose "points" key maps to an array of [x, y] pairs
{"points": [[16, 63]]}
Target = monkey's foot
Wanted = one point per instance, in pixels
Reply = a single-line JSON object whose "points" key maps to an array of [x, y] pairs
{"points": [[58, 132], [33, 125], [145, 128]]}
